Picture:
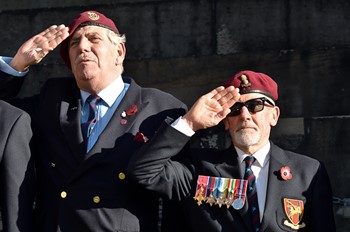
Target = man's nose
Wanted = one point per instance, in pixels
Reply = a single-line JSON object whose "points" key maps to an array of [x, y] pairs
{"points": [[84, 44], [245, 112]]}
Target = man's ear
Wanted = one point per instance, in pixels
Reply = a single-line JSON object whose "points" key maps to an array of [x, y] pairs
{"points": [[226, 123], [275, 116], [121, 50]]}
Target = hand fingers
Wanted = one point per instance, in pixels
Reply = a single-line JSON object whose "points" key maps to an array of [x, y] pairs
{"points": [[57, 35], [43, 33], [214, 93], [54, 31], [51, 38], [231, 98], [222, 114], [227, 97]]}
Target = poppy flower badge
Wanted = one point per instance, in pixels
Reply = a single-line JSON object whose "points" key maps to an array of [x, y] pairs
{"points": [[285, 173], [127, 113], [140, 137], [132, 110]]}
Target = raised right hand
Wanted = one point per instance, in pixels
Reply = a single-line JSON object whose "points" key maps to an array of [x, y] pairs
{"points": [[211, 108], [37, 47]]}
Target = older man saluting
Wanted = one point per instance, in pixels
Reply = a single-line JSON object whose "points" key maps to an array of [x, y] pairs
{"points": [[86, 129]]}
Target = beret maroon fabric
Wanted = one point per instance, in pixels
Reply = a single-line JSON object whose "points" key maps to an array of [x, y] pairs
{"points": [[86, 18], [254, 82]]}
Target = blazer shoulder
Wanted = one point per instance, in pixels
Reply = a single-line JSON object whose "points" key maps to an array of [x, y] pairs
{"points": [[13, 120], [9, 111], [155, 97], [288, 157], [160, 95]]}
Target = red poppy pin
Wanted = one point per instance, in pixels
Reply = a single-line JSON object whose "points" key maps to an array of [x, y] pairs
{"points": [[285, 173], [129, 112], [132, 110], [140, 137]]}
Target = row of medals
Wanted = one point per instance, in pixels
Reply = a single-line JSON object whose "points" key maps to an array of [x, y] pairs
{"points": [[221, 191]]}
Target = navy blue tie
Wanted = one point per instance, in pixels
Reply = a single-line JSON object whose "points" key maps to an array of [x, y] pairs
{"points": [[252, 194], [87, 127]]}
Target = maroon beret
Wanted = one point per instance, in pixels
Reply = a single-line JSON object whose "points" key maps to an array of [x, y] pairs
{"points": [[86, 18], [253, 82]]}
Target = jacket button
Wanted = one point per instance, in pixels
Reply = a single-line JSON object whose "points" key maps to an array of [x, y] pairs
{"points": [[96, 199], [121, 176], [63, 194]]}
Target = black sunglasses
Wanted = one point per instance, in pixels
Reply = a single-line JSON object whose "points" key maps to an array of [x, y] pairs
{"points": [[253, 105]]}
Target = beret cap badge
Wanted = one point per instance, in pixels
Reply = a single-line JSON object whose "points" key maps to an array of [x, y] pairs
{"points": [[93, 15], [245, 81], [254, 82]]}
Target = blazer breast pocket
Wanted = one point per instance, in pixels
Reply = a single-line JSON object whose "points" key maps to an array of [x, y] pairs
{"points": [[289, 217]]}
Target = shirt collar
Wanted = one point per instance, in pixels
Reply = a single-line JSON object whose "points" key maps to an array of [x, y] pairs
{"points": [[109, 94], [262, 155]]}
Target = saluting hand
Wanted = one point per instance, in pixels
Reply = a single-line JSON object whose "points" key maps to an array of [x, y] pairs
{"points": [[37, 47], [211, 108]]}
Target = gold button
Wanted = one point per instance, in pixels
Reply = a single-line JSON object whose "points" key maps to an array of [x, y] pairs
{"points": [[63, 194], [53, 165], [96, 199], [121, 176]]}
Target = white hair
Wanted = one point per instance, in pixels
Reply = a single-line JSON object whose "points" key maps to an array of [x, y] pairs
{"points": [[116, 39]]}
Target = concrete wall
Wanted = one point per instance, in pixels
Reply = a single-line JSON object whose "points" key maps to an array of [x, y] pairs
{"points": [[189, 47]]}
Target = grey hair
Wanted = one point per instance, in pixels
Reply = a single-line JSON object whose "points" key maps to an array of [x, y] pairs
{"points": [[116, 39]]}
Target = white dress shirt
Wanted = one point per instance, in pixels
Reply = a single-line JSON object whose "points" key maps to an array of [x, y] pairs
{"points": [[260, 169]]}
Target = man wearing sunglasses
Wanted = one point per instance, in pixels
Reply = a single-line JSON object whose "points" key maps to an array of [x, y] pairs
{"points": [[209, 190]]}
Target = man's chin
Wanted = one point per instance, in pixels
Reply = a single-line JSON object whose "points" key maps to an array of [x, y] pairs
{"points": [[84, 79], [246, 139]]}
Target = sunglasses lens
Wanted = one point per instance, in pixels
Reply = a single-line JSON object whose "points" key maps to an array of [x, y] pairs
{"points": [[255, 105], [236, 109]]}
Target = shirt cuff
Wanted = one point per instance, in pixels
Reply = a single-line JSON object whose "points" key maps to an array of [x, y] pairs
{"points": [[5, 67], [180, 125]]}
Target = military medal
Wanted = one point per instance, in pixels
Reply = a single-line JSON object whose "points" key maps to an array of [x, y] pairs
{"points": [[221, 199], [221, 191], [241, 186], [202, 184], [210, 191], [217, 195], [230, 192]]}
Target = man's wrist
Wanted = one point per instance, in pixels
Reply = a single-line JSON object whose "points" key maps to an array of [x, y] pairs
{"points": [[181, 125], [18, 66], [7, 68]]}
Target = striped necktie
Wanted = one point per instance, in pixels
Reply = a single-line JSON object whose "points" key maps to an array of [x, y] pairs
{"points": [[252, 194], [87, 127]]}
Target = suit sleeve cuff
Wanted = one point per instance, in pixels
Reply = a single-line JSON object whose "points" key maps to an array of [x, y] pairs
{"points": [[180, 125], [6, 68]]}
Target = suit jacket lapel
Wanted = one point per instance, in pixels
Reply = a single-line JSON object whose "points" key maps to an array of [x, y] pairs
{"points": [[232, 169], [275, 186], [114, 131], [70, 111], [115, 128]]}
